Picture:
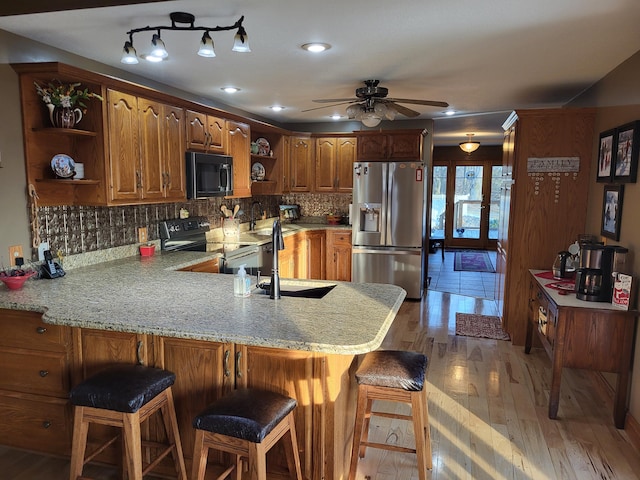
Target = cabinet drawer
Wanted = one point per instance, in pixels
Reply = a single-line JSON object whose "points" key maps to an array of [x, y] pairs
{"points": [[42, 372], [42, 426], [27, 330], [341, 238]]}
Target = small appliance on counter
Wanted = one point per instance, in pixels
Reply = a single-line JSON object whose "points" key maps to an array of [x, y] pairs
{"points": [[563, 267], [597, 268]]}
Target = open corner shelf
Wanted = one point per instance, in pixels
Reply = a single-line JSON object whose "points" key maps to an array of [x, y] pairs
{"points": [[65, 131]]}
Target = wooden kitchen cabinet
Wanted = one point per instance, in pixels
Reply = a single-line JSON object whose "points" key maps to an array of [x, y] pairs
{"points": [[537, 226], [145, 149], [338, 255], [315, 254], [162, 150], [239, 147], [580, 334], [210, 266], [334, 157], [84, 143], [390, 145], [35, 413], [206, 133], [301, 164]]}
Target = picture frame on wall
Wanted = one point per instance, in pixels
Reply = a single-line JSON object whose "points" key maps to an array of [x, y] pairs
{"points": [[606, 156], [612, 211], [627, 146]]}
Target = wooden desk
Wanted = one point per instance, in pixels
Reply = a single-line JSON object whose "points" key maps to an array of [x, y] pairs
{"points": [[579, 334]]}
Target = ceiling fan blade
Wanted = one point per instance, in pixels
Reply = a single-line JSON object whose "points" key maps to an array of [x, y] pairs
{"points": [[430, 103], [407, 112], [332, 100], [328, 106]]}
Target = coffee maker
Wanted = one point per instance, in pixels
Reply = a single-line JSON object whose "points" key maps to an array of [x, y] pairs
{"points": [[594, 276]]}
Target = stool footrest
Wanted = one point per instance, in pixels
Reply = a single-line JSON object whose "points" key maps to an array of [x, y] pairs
{"points": [[398, 416], [101, 448], [386, 446]]}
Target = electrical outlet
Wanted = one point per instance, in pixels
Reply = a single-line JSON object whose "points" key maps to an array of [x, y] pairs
{"points": [[15, 251], [41, 249], [142, 234]]}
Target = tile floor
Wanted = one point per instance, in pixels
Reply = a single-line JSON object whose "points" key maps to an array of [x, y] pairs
{"points": [[445, 279]]}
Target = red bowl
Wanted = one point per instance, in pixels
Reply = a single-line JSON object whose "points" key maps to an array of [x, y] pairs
{"points": [[16, 283], [147, 250]]}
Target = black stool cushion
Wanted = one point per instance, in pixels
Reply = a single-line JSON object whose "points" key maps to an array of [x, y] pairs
{"points": [[124, 388], [393, 369], [248, 414]]}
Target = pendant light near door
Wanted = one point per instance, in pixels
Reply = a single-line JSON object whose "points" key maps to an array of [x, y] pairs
{"points": [[469, 146]]}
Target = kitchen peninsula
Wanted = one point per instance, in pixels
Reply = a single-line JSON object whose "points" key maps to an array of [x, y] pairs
{"points": [[56, 332]]}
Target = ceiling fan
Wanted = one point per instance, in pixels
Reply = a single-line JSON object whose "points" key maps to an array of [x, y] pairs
{"points": [[371, 104]]}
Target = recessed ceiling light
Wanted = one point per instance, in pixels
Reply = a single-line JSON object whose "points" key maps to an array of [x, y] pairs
{"points": [[277, 108], [336, 116], [450, 112], [316, 47], [230, 89]]}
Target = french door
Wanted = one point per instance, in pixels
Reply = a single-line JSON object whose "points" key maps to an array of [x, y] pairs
{"points": [[465, 203]]}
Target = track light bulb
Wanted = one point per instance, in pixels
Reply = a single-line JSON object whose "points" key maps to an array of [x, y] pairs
{"points": [[158, 49], [241, 41], [129, 55], [206, 46]]}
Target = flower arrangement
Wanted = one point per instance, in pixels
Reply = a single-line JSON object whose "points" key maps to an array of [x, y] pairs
{"points": [[61, 95]]}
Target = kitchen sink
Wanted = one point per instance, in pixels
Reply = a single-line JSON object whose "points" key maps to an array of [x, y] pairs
{"points": [[303, 291], [266, 232]]}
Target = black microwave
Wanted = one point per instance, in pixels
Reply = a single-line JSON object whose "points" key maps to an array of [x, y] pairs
{"points": [[209, 175]]}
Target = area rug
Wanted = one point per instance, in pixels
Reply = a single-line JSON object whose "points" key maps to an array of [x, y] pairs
{"points": [[483, 326], [473, 261]]}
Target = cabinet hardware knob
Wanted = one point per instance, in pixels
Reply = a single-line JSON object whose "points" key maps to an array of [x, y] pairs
{"points": [[41, 330], [227, 372], [238, 371], [138, 180], [46, 424], [44, 373]]}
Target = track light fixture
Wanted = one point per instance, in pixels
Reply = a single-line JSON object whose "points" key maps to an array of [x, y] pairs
{"points": [[184, 22], [469, 146]]}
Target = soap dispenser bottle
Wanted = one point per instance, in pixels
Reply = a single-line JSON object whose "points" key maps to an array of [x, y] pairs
{"points": [[241, 283]]}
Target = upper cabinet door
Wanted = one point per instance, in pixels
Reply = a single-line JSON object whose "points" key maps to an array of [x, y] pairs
{"points": [[372, 147], [205, 132], [239, 147], [152, 148], [174, 158], [403, 146], [325, 178], [124, 148], [345, 156], [301, 164]]}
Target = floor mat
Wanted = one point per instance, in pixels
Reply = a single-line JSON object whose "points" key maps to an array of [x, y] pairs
{"points": [[484, 326], [473, 261]]}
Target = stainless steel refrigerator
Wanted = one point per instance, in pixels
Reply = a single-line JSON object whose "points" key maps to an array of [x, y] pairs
{"points": [[389, 225]]}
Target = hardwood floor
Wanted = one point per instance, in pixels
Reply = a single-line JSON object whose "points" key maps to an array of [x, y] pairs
{"points": [[487, 412]]}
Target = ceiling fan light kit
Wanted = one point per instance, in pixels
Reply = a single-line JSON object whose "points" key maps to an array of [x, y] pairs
{"points": [[371, 105], [182, 21], [469, 146]]}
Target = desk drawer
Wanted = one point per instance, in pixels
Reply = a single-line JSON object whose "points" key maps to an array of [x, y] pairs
{"points": [[22, 329], [43, 373]]}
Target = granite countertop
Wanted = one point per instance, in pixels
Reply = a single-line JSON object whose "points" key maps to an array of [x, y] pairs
{"points": [[150, 296]]}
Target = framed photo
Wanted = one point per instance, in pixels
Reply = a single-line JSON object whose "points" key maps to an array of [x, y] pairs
{"points": [[606, 156], [627, 145], [612, 211]]}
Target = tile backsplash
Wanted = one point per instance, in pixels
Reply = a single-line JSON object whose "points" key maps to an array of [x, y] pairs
{"points": [[81, 229]]}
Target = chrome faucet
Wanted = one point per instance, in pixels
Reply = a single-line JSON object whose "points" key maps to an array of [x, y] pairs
{"points": [[278, 244], [252, 219]]}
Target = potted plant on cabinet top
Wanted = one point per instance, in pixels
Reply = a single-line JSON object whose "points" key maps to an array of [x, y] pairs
{"points": [[65, 102]]}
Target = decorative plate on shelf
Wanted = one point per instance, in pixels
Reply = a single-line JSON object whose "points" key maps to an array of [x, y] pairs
{"points": [[63, 166], [257, 171], [263, 146]]}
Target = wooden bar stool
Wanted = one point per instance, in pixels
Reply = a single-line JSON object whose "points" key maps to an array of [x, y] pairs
{"points": [[125, 396], [246, 423], [394, 376]]}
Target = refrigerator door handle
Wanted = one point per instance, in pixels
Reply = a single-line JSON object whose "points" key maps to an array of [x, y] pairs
{"points": [[384, 219]]}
